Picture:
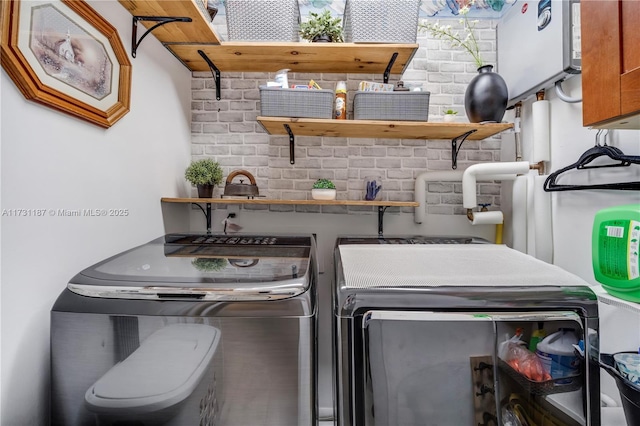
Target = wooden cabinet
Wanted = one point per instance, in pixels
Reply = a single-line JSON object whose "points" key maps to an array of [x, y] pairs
{"points": [[611, 63]]}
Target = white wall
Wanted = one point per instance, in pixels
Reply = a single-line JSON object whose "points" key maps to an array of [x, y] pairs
{"points": [[54, 161], [573, 212]]}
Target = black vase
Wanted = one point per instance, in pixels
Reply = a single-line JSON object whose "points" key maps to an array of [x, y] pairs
{"points": [[485, 99], [205, 191]]}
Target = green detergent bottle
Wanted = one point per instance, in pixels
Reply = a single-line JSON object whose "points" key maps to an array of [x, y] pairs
{"points": [[616, 251]]}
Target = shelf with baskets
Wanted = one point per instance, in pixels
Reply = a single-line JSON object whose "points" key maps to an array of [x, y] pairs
{"points": [[185, 29], [456, 132], [381, 205]]}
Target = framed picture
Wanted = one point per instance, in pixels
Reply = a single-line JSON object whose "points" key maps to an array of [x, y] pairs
{"points": [[62, 54]]}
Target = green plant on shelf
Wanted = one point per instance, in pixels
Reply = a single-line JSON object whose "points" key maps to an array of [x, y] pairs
{"points": [[450, 112], [204, 172], [322, 24], [323, 184]]}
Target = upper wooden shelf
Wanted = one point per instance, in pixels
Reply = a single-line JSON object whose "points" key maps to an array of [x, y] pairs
{"points": [[185, 39], [354, 58], [380, 129]]}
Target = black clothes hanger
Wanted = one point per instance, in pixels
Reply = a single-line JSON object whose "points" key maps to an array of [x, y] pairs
{"points": [[613, 153]]}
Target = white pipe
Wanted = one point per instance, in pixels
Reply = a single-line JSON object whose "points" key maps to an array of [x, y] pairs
{"points": [[488, 171], [531, 223], [519, 214], [542, 219], [420, 191], [563, 96]]}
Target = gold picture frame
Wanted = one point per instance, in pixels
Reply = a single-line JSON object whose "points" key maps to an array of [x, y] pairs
{"points": [[63, 54]]}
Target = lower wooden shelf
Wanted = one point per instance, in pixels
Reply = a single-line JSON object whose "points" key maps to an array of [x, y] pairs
{"points": [[292, 202], [381, 205]]}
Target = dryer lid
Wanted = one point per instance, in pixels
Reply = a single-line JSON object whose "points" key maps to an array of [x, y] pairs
{"points": [[162, 372]]}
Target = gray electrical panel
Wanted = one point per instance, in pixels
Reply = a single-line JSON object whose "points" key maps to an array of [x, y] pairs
{"points": [[538, 44]]}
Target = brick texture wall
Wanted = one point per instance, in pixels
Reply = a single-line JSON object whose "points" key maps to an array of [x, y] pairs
{"points": [[228, 132]]}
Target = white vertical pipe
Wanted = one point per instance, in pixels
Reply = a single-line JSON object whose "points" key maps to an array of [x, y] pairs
{"points": [[519, 214], [542, 219], [531, 225]]}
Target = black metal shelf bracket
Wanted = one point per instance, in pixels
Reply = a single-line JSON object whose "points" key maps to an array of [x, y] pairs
{"points": [[389, 66], [207, 215], [381, 210], [292, 144], [161, 20], [214, 70], [455, 148]]}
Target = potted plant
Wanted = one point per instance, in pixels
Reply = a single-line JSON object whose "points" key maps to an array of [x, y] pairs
{"points": [[321, 27], [323, 189], [449, 115], [204, 174]]}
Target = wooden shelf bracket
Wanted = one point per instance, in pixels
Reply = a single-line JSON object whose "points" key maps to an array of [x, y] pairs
{"points": [[214, 70], [292, 144], [161, 20], [389, 66], [455, 148]]}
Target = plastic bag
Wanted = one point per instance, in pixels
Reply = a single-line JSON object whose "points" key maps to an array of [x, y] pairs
{"points": [[513, 351]]}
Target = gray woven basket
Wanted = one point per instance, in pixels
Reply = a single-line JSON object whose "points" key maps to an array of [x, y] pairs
{"points": [[301, 103], [381, 21], [263, 20], [396, 106]]}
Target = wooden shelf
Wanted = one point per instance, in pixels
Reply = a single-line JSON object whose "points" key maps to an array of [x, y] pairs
{"points": [[381, 205], [292, 202], [186, 39], [298, 57], [380, 129]]}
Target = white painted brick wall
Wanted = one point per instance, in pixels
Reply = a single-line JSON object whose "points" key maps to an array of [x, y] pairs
{"points": [[227, 131]]}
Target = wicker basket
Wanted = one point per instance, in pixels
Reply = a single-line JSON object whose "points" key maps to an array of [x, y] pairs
{"points": [[301, 103], [381, 21], [263, 20], [400, 106]]}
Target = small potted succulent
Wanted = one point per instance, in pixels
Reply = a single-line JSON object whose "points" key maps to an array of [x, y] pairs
{"points": [[449, 116], [321, 27], [323, 189], [204, 174]]}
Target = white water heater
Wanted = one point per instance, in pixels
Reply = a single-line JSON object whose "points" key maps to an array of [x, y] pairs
{"points": [[538, 44]]}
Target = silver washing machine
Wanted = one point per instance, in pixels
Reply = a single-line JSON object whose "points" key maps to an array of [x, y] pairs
{"points": [[420, 331], [196, 330]]}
